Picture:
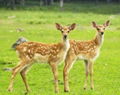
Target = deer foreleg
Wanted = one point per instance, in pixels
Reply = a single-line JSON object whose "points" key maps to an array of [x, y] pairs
{"points": [[68, 64], [91, 75], [86, 73], [55, 73]]}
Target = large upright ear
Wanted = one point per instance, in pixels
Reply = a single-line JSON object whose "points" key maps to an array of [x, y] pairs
{"points": [[107, 23], [94, 24], [72, 27], [58, 26]]}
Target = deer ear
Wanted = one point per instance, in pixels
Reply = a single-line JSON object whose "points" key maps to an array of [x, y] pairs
{"points": [[58, 26], [107, 23], [94, 24], [72, 27]]}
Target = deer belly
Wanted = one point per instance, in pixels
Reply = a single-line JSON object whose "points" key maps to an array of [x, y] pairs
{"points": [[61, 57], [40, 58], [81, 57]]}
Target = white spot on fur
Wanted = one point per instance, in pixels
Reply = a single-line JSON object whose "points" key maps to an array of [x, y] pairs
{"points": [[29, 50], [25, 48], [27, 57], [81, 57]]}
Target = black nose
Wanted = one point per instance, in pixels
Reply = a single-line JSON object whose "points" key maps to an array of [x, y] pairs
{"points": [[102, 33], [65, 36]]}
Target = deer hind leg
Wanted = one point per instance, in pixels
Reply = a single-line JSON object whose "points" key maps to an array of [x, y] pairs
{"points": [[23, 75], [55, 73], [86, 73], [14, 72], [68, 65], [91, 75]]}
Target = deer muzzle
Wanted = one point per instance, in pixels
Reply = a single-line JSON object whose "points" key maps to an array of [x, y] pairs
{"points": [[65, 36]]}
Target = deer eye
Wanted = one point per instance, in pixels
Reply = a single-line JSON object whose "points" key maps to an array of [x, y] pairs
{"points": [[98, 29], [103, 28]]}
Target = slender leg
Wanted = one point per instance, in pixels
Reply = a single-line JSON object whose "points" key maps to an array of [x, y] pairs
{"points": [[91, 75], [86, 73], [68, 64], [14, 72], [55, 73], [23, 75]]}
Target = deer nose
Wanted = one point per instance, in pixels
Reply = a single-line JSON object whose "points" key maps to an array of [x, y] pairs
{"points": [[102, 33], [65, 36]]}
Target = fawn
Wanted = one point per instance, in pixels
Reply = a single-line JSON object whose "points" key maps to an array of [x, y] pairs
{"points": [[53, 54], [87, 51]]}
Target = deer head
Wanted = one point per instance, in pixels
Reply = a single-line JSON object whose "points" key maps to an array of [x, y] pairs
{"points": [[101, 28], [18, 42], [65, 30]]}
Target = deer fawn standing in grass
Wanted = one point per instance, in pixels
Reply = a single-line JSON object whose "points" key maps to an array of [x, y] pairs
{"points": [[52, 54], [86, 50]]}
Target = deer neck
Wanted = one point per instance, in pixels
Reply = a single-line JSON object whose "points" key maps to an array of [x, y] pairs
{"points": [[99, 39], [66, 44]]}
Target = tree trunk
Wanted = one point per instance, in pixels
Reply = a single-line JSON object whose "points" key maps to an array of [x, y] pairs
{"points": [[22, 2], [44, 2], [12, 4], [48, 2], [96, 1], [61, 3], [41, 2], [52, 1], [108, 1]]}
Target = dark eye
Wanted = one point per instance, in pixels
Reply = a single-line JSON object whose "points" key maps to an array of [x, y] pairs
{"points": [[103, 28], [98, 29]]}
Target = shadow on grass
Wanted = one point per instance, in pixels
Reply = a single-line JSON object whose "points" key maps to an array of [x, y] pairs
{"points": [[5, 63]]}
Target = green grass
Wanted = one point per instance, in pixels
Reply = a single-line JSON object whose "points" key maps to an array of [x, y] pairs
{"points": [[39, 25]]}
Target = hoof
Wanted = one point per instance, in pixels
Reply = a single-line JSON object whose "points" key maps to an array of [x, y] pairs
{"points": [[56, 91], [92, 88], [10, 89], [66, 90], [26, 93], [84, 88]]}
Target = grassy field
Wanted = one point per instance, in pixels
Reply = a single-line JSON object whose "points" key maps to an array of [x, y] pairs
{"points": [[38, 24]]}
